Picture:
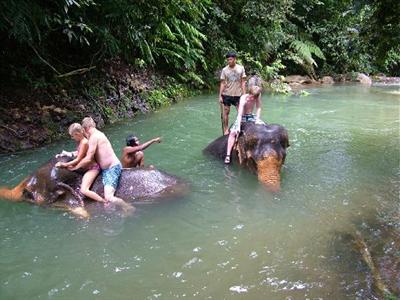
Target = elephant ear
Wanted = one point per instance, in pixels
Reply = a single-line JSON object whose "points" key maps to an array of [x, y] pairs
{"points": [[285, 139], [249, 140], [246, 144]]}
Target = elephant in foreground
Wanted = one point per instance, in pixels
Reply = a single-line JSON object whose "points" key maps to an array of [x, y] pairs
{"points": [[260, 147], [58, 187]]}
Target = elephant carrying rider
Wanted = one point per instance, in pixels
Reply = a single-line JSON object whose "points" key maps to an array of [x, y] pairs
{"points": [[245, 114]]}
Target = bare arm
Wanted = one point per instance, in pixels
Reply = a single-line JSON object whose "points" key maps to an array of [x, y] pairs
{"points": [[83, 148], [258, 108], [221, 90], [240, 110], [89, 158], [243, 85], [141, 147]]}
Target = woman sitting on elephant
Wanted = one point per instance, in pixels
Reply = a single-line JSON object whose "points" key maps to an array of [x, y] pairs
{"points": [[245, 114], [75, 130]]}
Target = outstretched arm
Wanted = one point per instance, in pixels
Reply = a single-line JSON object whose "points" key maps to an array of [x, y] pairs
{"points": [[141, 147]]}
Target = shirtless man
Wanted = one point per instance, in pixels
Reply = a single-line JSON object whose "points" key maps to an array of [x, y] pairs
{"points": [[101, 151], [245, 114], [132, 154]]}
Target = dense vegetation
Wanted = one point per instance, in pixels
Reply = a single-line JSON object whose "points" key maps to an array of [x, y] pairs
{"points": [[48, 41]]}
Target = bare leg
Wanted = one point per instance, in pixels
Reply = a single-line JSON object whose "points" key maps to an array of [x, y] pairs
{"points": [[231, 142], [87, 181], [109, 192], [225, 119]]}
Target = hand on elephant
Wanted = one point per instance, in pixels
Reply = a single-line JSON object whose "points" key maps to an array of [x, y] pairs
{"points": [[65, 153], [259, 122], [60, 165], [73, 168]]}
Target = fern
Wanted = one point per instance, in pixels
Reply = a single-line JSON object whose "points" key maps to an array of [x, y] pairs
{"points": [[302, 51]]}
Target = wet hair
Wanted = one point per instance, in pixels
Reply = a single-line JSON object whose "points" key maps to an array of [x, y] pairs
{"points": [[88, 122], [131, 140], [230, 54], [75, 127], [255, 90]]}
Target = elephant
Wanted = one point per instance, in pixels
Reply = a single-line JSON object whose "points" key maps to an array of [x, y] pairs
{"points": [[260, 148], [50, 186]]}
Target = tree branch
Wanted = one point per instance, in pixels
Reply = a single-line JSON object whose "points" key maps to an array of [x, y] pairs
{"points": [[43, 60], [78, 71]]}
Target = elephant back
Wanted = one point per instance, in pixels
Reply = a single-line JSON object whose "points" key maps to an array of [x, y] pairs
{"points": [[218, 147], [143, 184]]}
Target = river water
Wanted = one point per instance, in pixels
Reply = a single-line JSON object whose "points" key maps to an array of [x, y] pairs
{"points": [[229, 238]]}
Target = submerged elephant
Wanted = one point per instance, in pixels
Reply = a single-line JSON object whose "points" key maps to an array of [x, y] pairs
{"points": [[261, 148], [58, 187]]}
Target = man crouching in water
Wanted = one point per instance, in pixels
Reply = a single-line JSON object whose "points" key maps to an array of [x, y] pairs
{"points": [[101, 151], [245, 114], [132, 154]]}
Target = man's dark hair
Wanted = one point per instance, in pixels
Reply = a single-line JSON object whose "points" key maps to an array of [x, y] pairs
{"points": [[131, 140], [230, 54]]}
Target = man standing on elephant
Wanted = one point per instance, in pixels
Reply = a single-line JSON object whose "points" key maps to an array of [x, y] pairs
{"points": [[101, 151], [232, 86], [245, 114]]}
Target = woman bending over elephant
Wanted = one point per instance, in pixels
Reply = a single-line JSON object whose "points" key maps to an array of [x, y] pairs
{"points": [[75, 130], [245, 114]]}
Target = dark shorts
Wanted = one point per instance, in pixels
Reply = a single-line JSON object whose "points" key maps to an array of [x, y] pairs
{"points": [[230, 100]]}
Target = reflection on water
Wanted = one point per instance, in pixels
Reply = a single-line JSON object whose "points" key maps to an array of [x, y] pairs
{"points": [[229, 237]]}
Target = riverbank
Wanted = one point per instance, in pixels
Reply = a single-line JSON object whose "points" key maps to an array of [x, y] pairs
{"points": [[116, 90]]}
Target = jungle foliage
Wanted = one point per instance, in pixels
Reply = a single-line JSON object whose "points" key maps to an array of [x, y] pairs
{"points": [[45, 41]]}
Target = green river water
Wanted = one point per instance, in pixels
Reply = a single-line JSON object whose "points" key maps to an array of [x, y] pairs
{"points": [[229, 238]]}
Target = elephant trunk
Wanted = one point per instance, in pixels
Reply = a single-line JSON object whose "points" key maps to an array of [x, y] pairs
{"points": [[268, 170], [14, 194]]}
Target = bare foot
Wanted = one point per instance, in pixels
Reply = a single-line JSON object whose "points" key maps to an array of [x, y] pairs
{"points": [[80, 212], [128, 210]]}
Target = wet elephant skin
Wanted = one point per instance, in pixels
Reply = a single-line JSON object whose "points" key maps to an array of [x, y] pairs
{"points": [[260, 148], [59, 187]]}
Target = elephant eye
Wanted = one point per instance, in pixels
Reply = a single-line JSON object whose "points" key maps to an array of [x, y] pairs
{"points": [[60, 192]]}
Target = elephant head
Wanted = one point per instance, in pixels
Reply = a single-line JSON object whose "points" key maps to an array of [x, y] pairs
{"points": [[262, 148], [49, 186]]}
